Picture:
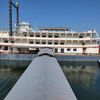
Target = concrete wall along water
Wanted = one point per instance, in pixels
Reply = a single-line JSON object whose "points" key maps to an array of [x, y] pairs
{"points": [[59, 57]]}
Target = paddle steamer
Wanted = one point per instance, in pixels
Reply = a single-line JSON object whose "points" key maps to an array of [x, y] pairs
{"points": [[60, 39]]}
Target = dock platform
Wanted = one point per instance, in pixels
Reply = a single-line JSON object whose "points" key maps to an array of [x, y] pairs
{"points": [[42, 80]]}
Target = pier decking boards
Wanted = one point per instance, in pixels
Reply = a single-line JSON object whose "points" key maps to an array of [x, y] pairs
{"points": [[42, 80]]}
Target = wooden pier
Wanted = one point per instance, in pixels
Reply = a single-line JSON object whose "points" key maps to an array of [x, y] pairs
{"points": [[42, 80]]}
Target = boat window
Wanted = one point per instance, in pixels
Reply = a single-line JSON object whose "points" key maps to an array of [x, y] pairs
{"points": [[62, 35], [43, 35], [43, 42], [69, 35], [56, 50], [68, 49], [56, 36], [56, 42], [6, 41], [94, 35], [31, 35], [31, 42], [37, 42], [50, 35], [80, 36], [62, 43], [12, 41], [38, 35], [25, 34], [49, 42], [88, 35], [6, 48], [68, 42], [83, 43], [62, 50], [75, 35], [74, 49]]}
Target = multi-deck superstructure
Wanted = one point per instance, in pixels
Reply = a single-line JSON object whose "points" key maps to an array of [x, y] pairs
{"points": [[61, 40]]}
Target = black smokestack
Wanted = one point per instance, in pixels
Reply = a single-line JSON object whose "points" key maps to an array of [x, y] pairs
{"points": [[17, 15], [10, 17]]}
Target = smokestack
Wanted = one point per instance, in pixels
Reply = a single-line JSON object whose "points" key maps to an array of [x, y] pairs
{"points": [[10, 17], [17, 15]]}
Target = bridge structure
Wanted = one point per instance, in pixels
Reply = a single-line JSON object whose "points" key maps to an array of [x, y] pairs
{"points": [[42, 80]]}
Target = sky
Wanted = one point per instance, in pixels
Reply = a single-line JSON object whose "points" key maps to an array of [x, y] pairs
{"points": [[78, 15]]}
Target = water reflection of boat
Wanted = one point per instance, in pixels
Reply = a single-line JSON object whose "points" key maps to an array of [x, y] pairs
{"points": [[80, 74], [78, 63], [5, 69], [84, 69]]}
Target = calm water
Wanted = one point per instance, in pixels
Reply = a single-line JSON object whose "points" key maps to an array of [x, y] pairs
{"points": [[84, 77]]}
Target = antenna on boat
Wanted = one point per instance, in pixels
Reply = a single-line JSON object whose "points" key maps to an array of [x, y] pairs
{"points": [[35, 26]]}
